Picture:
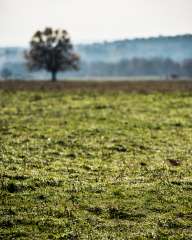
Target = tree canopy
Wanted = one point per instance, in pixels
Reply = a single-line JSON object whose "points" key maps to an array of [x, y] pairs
{"points": [[52, 50]]}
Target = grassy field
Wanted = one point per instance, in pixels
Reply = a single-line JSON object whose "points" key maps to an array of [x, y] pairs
{"points": [[95, 164]]}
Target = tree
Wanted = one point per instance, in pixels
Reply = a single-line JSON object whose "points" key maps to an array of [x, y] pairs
{"points": [[6, 73], [53, 51], [187, 67]]}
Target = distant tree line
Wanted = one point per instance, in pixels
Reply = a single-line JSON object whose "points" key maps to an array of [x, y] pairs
{"points": [[159, 56], [176, 48], [138, 67], [133, 67]]}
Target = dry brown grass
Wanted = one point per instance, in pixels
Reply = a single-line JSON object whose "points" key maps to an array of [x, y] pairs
{"points": [[127, 86]]}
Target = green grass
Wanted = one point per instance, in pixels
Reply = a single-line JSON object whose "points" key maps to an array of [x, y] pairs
{"points": [[91, 165]]}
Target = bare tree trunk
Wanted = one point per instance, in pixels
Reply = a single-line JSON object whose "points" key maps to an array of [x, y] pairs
{"points": [[54, 76]]}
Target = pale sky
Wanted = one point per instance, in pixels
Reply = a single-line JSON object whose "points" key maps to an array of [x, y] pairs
{"points": [[93, 20]]}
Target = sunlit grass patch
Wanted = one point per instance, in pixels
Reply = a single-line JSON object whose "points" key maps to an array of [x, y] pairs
{"points": [[90, 165]]}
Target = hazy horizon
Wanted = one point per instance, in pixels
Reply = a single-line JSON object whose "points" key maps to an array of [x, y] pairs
{"points": [[99, 41], [94, 21]]}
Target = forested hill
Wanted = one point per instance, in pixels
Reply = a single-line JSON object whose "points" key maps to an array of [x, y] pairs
{"points": [[160, 56], [176, 48]]}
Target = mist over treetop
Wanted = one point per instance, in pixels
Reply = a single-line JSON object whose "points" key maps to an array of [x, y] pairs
{"points": [[176, 48]]}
